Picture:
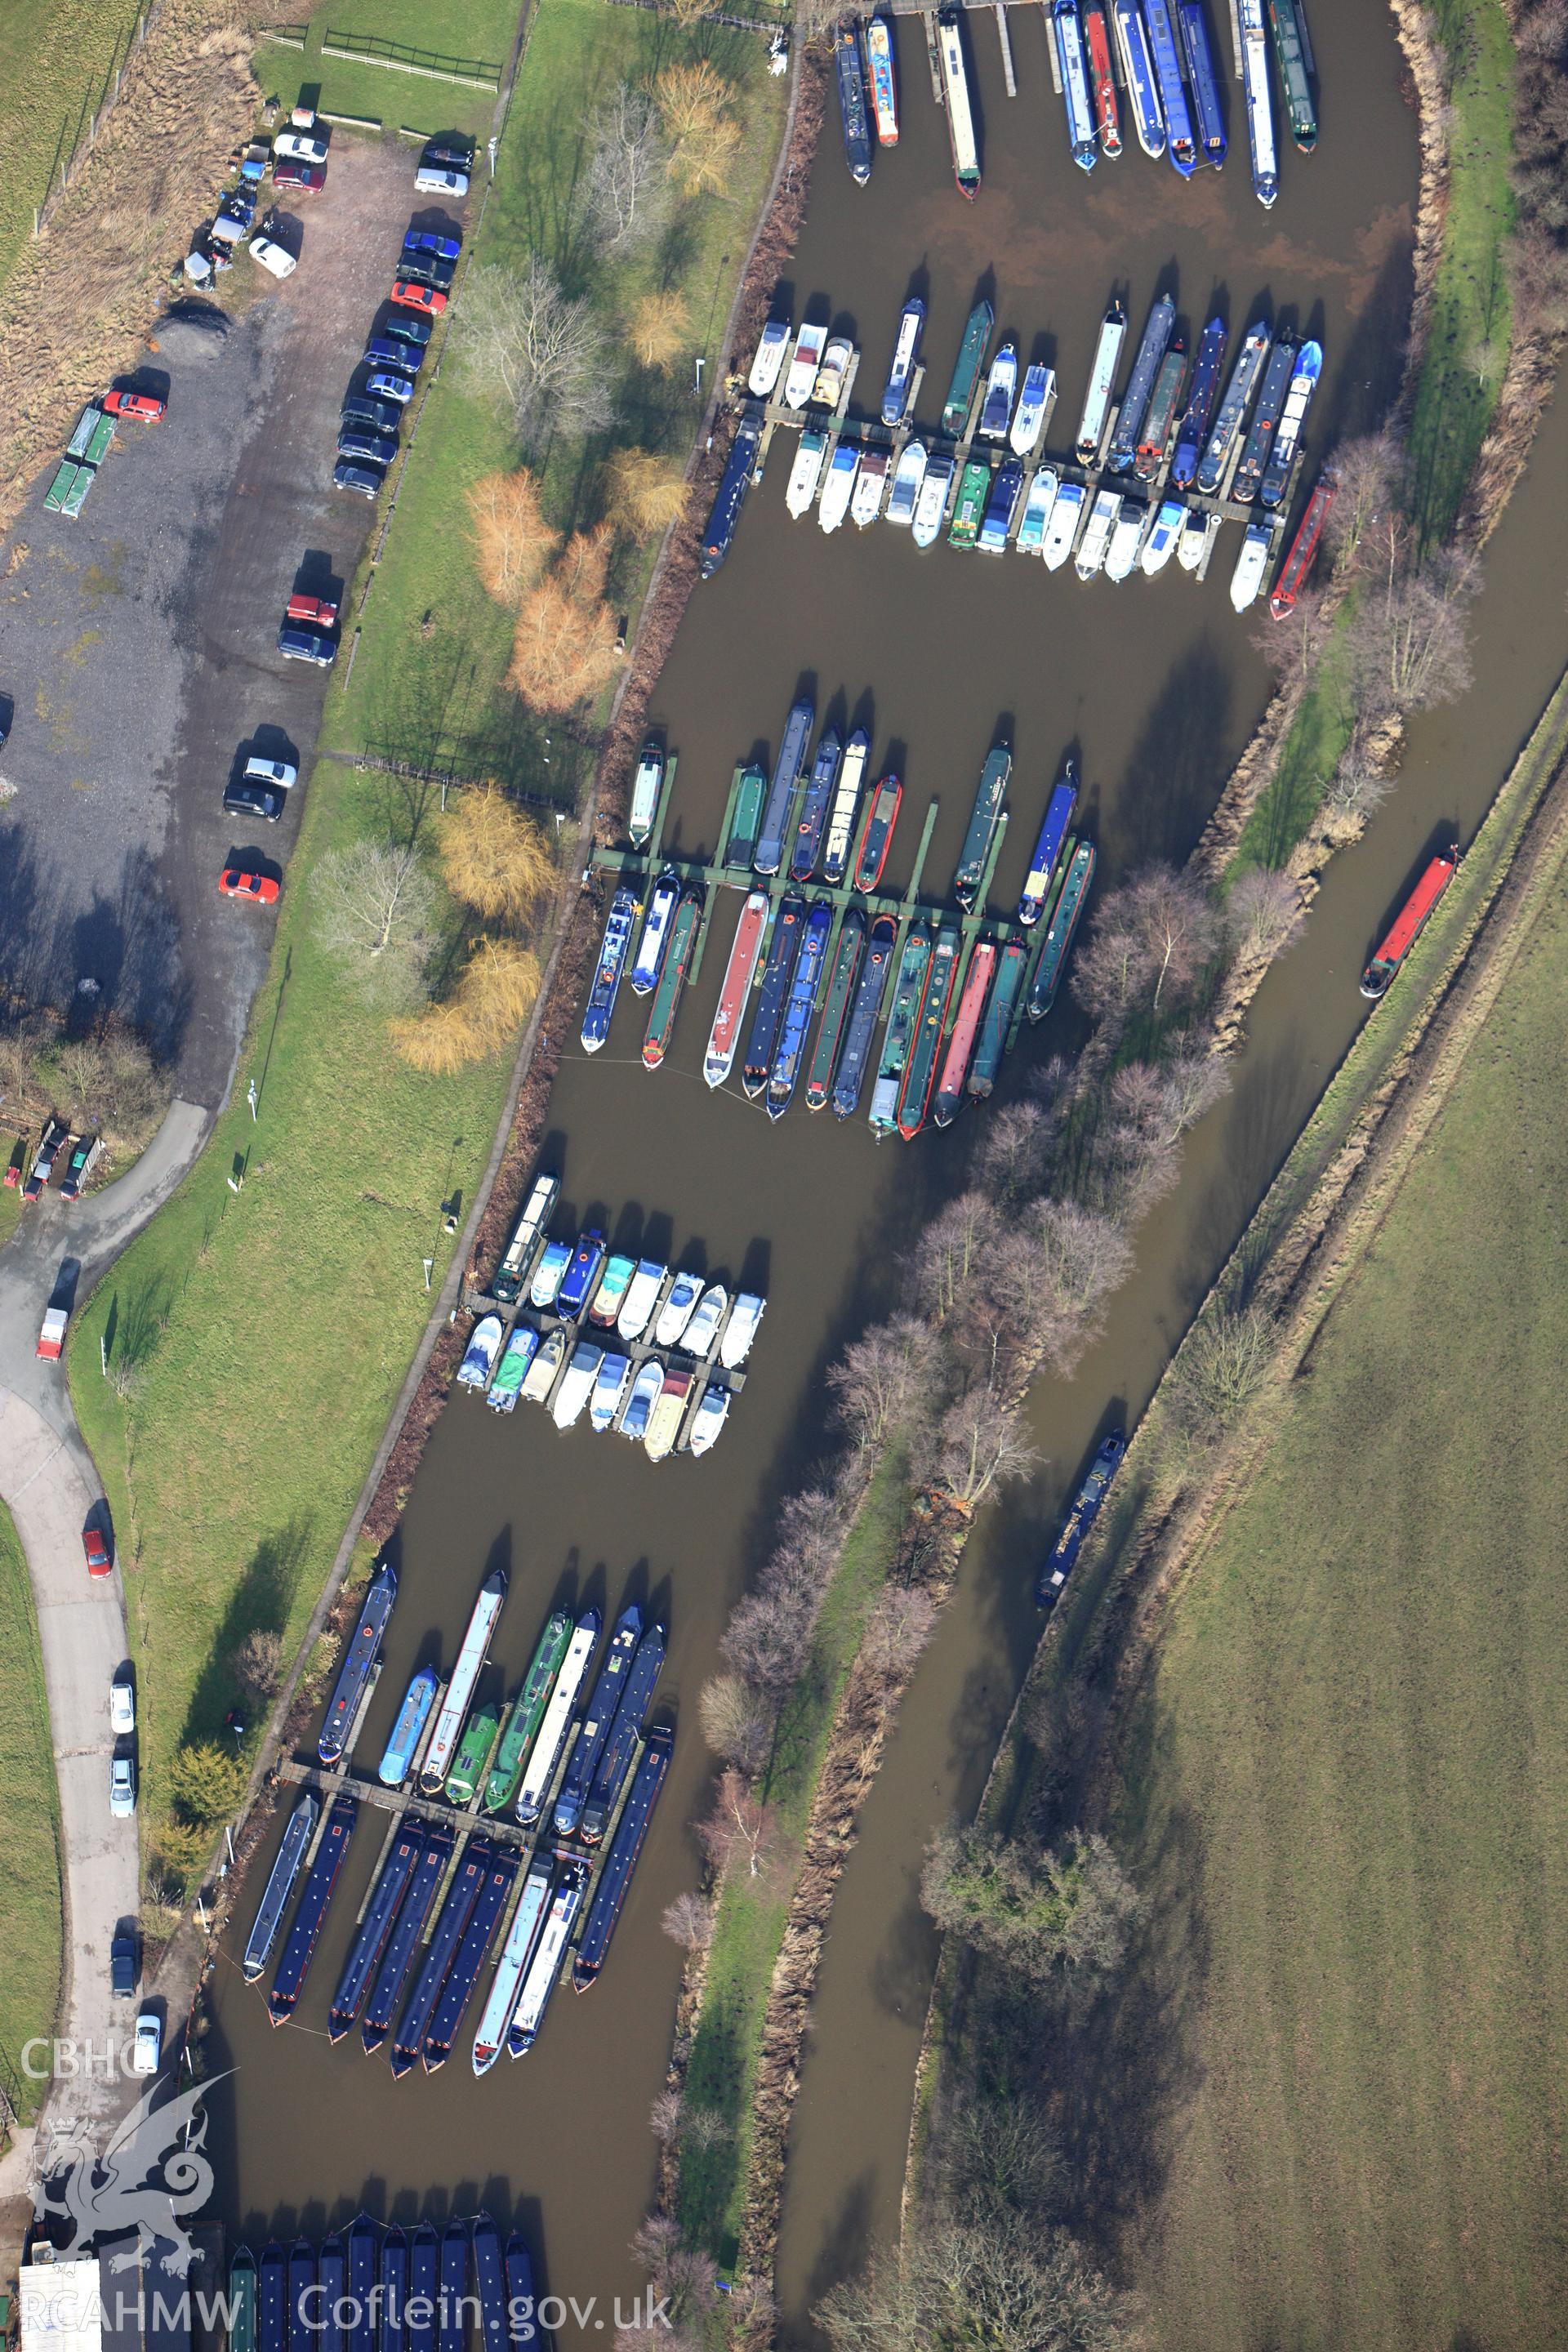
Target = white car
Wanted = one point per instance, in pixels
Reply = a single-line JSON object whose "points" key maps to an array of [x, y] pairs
{"points": [[123, 1788], [434, 180], [122, 1705], [279, 773], [148, 2046], [272, 258], [304, 146]]}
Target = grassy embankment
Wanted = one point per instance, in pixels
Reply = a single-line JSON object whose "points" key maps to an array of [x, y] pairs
{"points": [[449, 34], [56, 64], [1462, 368], [750, 1922], [30, 1914]]}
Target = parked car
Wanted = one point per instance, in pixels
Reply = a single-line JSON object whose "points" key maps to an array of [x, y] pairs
{"points": [[123, 1702], [426, 240], [95, 1544], [246, 799], [84, 1155], [148, 2046], [259, 888], [387, 351], [133, 403], [409, 296], [366, 449], [347, 477], [428, 269], [380, 416], [283, 774], [386, 386], [409, 328], [51, 1143], [122, 1963], [317, 612], [307, 645], [272, 256], [123, 1788], [309, 178], [437, 180], [52, 1334], [301, 146]]}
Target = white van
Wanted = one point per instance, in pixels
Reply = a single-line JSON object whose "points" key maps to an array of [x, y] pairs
{"points": [[434, 180]]}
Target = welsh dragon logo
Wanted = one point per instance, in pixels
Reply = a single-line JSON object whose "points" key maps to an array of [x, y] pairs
{"points": [[151, 2178]]}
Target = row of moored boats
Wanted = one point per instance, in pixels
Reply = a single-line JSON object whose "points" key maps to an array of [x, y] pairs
{"points": [[370, 2289]]}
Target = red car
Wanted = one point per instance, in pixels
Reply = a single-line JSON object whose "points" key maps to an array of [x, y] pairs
{"points": [[410, 297], [234, 884], [314, 610], [134, 404], [100, 1560], [310, 177]]}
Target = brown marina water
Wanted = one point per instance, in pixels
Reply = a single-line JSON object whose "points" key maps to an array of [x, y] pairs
{"points": [[1156, 686]]}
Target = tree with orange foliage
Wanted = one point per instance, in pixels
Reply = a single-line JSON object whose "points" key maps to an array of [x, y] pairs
{"points": [[566, 647], [489, 1006], [658, 327], [493, 858], [513, 541], [648, 492], [703, 134]]}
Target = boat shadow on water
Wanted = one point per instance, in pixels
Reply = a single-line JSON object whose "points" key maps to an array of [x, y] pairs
{"points": [[1169, 787]]}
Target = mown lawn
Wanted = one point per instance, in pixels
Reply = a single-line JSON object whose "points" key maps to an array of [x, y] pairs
{"points": [[55, 62], [1346, 1784], [268, 1332], [445, 33], [30, 1912]]}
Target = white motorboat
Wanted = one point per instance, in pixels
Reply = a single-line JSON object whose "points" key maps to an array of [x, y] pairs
{"points": [[640, 1404], [831, 375], [1040, 385], [840, 486], [478, 1359], [678, 1310], [540, 1377], [709, 1417], [1067, 513], [996, 410], [1037, 514], [1126, 533], [931, 506], [610, 1388], [1097, 533], [642, 1292], [908, 475], [768, 365], [799, 383], [577, 1383], [741, 1330], [869, 484], [1253, 562], [1195, 538], [1160, 543], [703, 1328], [806, 474]]}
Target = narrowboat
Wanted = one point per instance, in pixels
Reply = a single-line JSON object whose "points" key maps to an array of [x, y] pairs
{"points": [[920, 1068], [301, 1945], [883, 81], [645, 792], [997, 520], [870, 483], [1137, 73], [642, 1294], [845, 803], [1080, 1518], [1059, 938], [527, 1712], [768, 365], [786, 774], [521, 1936], [609, 1392], [969, 506], [280, 1885], [777, 972], [1126, 533], [835, 1010], [556, 1722], [540, 1377], [744, 820], [796, 1022], [479, 1355], [806, 474], [302, 2282], [908, 475], [1102, 81], [545, 1966], [594, 1730], [1260, 136], [1207, 107], [724, 1036], [515, 1267], [667, 1412], [672, 979], [1180, 143], [571, 1399], [863, 1018], [437, 1759], [1097, 533], [491, 2279], [1150, 352], [966, 368], [1292, 419], [852, 104], [273, 2314], [1408, 925], [649, 959], [809, 345], [1048, 848], [353, 1675], [839, 488], [472, 1761], [520, 2295], [813, 807], [1067, 513], [1200, 406], [1101, 377], [1072, 69], [394, 2292], [619, 1749], [1000, 1007], [932, 504], [621, 1861], [955, 93], [1227, 431], [463, 1893], [741, 1330], [242, 2300], [423, 2285], [1259, 445], [1293, 51], [997, 408], [901, 1028], [906, 351], [1039, 386], [398, 1959], [1303, 548], [1160, 543], [984, 819], [473, 1944], [966, 1032], [612, 962], [578, 1282], [1154, 432], [727, 500], [1037, 514]]}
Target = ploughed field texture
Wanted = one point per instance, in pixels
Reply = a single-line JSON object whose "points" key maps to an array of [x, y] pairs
{"points": [[1346, 1789], [29, 1858]]}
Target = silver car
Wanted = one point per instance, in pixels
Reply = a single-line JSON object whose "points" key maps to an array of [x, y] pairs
{"points": [[123, 1788], [434, 180], [279, 773]]}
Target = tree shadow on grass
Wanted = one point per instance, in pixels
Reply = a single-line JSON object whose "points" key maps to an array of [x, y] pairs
{"points": [[259, 1603]]}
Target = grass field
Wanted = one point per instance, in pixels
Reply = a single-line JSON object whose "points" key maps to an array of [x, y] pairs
{"points": [[56, 64], [1344, 1787], [269, 1331], [30, 1913], [442, 32]]}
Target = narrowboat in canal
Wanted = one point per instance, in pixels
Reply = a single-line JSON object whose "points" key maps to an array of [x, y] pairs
{"points": [[1207, 107], [1137, 73], [870, 483], [997, 408], [908, 475], [1259, 443], [1180, 144], [801, 381], [242, 2300], [374, 1929], [966, 1032], [1408, 925], [649, 960], [527, 1712], [1160, 543], [302, 2281], [836, 1009], [1040, 385], [672, 979], [582, 1275], [1303, 548], [1072, 69], [806, 474], [521, 1936], [1200, 407], [768, 364], [864, 1016], [1126, 533], [479, 1355], [906, 351], [472, 1760], [1292, 420], [724, 1036], [955, 93], [621, 1861], [877, 834], [545, 1966], [745, 821], [984, 819], [786, 775], [620, 1747], [1250, 362], [1097, 533], [852, 113], [642, 1294], [996, 522], [558, 1713], [609, 1392], [1101, 377], [612, 962], [1086, 1508], [1067, 513], [1293, 51], [451, 2317], [727, 500], [299, 1948], [1141, 384], [796, 1022], [667, 1413], [273, 2314], [1000, 1007], [280, 1885], [391, 1977], [1102, 79], [777, 973], [424, 2286], [359, 1659], [840, 486], [969, 506], [831, 375], [883, 81], [813, 808], [528, 1232], [735, 1340], [920, 1068], [473, 1944], [645, 792], [932, 504], [393, 2282], [1048, 848], [846, 801], [437, 1757], [489, 2277], [966, 368], [456, 1912], [907, 994], [1037, 514], [1064, 922], [1259, 97], [540, 1377], [1154, 432], [520, 2295], [571, 1399]]}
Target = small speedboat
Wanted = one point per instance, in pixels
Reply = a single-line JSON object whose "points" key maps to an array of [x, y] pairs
{"points": [[1067, 513], [806, 474], [869, 484], [655, 935], [640, 1404], [540, 1378], [1037, 514], [610, 1388], [908, 475], [610, 1296], [1160, 544], [516, 1358], [768, 365], [678, 1310], [709, 1417], [996, 412], [930, 505], [741, 1330], [548, 1276], [478, 1359], [642, 1292], [1040, 383], [831, 375], [1253, 562], [577, 1384], [1121, 554], [1195, 538], [801, 377], [1097, 533], [703, 1328], [840, 486]]}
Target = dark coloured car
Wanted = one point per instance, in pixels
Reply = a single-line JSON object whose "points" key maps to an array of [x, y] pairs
{"points": [[428, 269], [347, 477], [424, 240], [122, 1963], [388, 351], [448, 154], [310, 178], [367, 449], [378, 415], [409, 328], [307, 645], [244, 799]]}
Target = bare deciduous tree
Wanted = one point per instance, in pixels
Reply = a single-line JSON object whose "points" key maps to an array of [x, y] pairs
{"points": [[737, 1722], [981, 1446], [1048, 1914], [257, 1662], [1366, 475], [768, 1638], [492, 999], [374, 908], [648, 492], [951, 1253], [1002, 2158], [897, 1630], [703, 132], [513, 539], [1014, 1149], [625, 186], [534, 351], [1218, 1371], [1359, 786], [1150, 942], [688, 1922], [885, 1384], [1293, 645], [1089, 1256], [1007, 2286], [739, 1835], [1413, 649], [1263, 915]]}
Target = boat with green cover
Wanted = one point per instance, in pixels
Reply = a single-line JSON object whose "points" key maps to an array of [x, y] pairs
{"points": [[983, 822], [1000, 1007], [901, 1030], [969, 508], [1069, 906], [242, 2300], [967, 372], [836, 1011], [1293, 49], [920, 1070], [672, 979], [527, 1712], [474, 1751], [745, 818]]}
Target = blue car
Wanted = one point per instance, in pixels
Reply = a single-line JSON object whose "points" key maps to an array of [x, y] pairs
{"points": [[390, 387], [588, 1264], [382, 350], [424, 240]]}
